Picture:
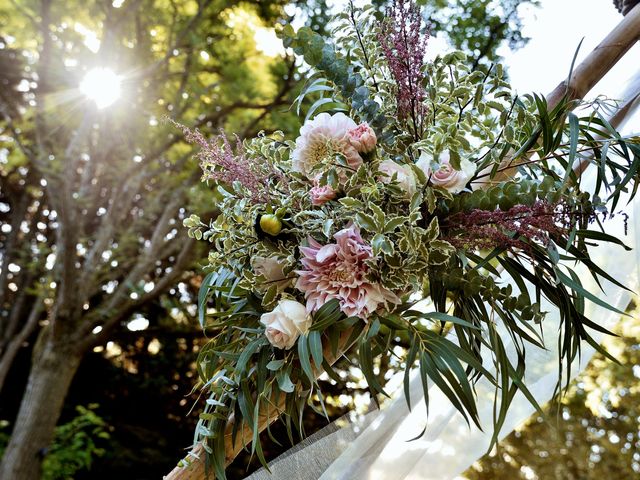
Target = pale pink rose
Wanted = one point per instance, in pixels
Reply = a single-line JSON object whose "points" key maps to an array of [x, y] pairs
{"points": [[272, 269], [363, 138], [321, 194], [444, 175], [403, 175], [320, 140], [339, 270], [286, 323]]}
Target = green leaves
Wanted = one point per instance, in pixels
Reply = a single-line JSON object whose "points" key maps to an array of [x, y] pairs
{"points": [[441, 361], [250, 349], [202, 295], [366, 222], [315, 345], [575, 285], [365, 357], [318, 53], [443, 317], [305, 359], [284, 381], [381, 244], [275, 365], [574, 133], [326, 316]]}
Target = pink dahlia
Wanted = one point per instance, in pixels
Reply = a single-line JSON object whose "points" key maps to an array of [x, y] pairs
{"points": [[320, 140], [339, 270]]}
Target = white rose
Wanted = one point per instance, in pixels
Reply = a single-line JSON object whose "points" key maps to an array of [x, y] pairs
{"points": [[444, 175], [286, 323], [272, 269], [404, 176]]}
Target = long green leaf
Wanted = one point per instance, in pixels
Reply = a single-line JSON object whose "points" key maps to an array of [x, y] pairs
{"points": [[581, 290], [304, 357]]}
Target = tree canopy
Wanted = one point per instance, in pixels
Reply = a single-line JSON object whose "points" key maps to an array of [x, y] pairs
{"points": [[94, 197]]}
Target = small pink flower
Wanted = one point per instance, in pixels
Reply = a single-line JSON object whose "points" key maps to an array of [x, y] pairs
{"points": [[321, 194], [340, 270], [363, 138]]}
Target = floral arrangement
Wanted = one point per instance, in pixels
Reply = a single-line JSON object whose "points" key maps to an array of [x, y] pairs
{"points": [[409, 179]]}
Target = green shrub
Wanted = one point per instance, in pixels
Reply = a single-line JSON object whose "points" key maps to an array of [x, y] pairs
{"points": [[75, 445]]}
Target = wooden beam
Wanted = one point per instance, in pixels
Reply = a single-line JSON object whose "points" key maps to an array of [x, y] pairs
{"points": [[600, 60]]}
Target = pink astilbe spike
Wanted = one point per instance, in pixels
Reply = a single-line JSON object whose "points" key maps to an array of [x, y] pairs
{"points": [[518, 227], [404, 46], [223, 164]]}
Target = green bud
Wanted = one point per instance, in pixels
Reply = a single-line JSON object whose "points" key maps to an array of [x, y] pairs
{"points": [[270, 224]]}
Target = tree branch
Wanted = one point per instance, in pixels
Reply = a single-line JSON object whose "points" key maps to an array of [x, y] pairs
{"points": [[16, 342], [120, 307], [189, 27], [279, 99]]}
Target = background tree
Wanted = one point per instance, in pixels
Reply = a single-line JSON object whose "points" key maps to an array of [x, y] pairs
{"points": [[596, 432], [479, 27], [93, 197]]}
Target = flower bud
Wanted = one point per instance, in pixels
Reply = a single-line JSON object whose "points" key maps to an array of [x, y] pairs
{"points": [[363, 138], [321, 194]]}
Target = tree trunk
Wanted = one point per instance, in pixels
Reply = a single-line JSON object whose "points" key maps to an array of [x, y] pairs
{"points": [[52, 370]]}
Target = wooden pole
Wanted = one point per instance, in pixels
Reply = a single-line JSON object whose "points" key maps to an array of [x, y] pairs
{"points": [[194, 466], [585, 76], [629, 103], [600, 60]]}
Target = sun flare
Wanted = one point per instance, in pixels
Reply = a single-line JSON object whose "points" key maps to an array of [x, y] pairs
{"points": [[101, 85]]}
